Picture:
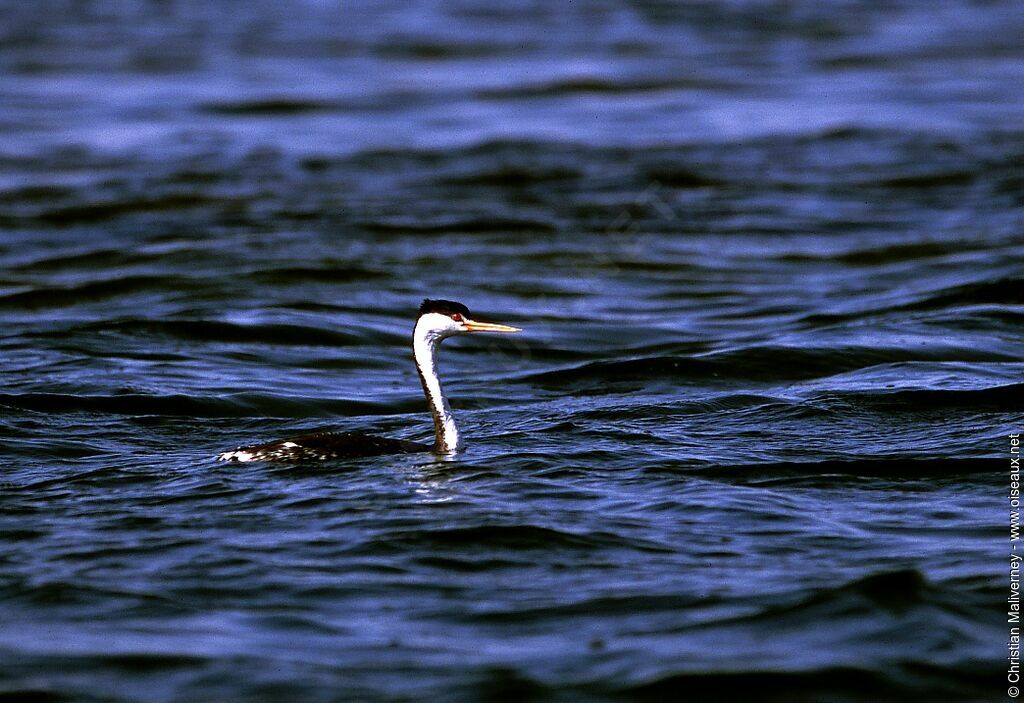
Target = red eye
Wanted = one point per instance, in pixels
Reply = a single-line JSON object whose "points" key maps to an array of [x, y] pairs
{"points": [[457, 317]]}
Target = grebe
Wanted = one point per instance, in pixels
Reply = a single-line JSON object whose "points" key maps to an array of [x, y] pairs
{"points": [[437, 320]]}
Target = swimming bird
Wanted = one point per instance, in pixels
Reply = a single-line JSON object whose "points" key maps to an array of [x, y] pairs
{"points": [[437, 320]]}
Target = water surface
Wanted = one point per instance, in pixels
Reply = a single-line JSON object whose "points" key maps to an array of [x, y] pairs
{"points": [[751, 444]]}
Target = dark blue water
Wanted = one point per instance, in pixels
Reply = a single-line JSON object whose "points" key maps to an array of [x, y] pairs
{"points": [[752, 444]]}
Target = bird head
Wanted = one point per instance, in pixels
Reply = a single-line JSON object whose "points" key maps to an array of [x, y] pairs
{"points": [[440, 319]]}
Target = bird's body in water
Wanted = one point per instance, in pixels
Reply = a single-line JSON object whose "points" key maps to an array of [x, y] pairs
{"points": [[437, 320]]}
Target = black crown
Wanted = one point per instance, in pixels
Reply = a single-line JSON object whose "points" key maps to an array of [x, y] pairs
{"points": [[445, 307]]}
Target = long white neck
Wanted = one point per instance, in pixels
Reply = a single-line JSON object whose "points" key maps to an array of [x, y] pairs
{"points": [[424, 346]]}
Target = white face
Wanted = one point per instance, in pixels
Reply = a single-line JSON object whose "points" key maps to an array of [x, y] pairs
{"points": [[439, 326]]}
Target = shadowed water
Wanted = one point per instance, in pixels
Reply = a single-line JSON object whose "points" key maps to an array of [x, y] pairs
{"points": [[752, 443]]}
